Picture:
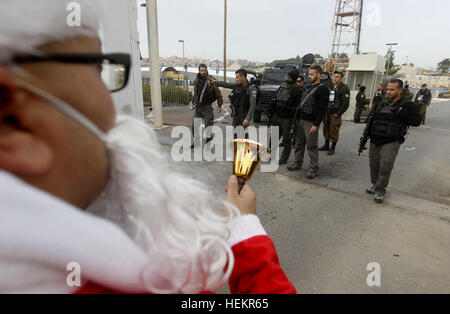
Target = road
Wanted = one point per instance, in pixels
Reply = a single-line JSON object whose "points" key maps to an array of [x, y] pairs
{"points": [[328, 230]]}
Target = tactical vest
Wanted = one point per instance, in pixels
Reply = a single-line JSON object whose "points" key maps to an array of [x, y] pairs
{"points": [[308, 105], [284, 104], [239, 99], [386, 123]]}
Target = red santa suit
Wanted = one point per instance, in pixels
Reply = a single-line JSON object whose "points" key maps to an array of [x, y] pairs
{"points": [[40, 235]]}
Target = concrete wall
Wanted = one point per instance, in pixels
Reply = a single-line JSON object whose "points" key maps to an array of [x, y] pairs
{"points": [[120, 35], [348, 115]]}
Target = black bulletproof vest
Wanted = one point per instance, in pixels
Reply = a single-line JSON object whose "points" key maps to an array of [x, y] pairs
{"points": [[386, 123], [308, 104], [284, 101], [239, 98]]}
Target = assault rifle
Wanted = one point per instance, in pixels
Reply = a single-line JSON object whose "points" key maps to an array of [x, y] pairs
{"points": [[365, 137]]}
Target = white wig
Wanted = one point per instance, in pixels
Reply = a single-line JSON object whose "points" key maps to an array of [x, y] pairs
{"points": [[26, 25]]}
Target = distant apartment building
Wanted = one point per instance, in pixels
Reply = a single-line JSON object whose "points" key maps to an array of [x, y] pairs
{"points": [[416, 77], [430, 80]]}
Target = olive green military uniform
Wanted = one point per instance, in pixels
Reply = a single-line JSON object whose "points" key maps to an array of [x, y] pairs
{"points": [[360, 103], [203, 99], [333, 121], [423, 100], [407, 94]]}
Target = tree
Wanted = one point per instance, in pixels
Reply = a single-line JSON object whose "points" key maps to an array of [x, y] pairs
{"points": [[335, 55], [393, 69], [444, 65], [296, 60]]}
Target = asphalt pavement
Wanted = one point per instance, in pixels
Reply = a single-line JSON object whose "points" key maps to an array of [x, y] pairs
{"points": [[328, 230]]}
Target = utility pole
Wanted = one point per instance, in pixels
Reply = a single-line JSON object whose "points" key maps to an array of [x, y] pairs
{"points": [[358, 39], [153, 51], [225, 43]]}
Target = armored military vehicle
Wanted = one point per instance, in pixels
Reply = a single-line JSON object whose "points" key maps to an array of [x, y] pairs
{"points": [[274, 77]]}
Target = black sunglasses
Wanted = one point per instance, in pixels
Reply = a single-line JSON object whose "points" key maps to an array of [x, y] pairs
{"points": [[115, 68]]}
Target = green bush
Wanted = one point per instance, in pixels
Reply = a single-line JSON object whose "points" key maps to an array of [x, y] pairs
{"points": [[147, 93], [169, 94]]}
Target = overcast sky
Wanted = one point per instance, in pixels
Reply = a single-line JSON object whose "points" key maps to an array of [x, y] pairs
{"points": [[264, 30]]}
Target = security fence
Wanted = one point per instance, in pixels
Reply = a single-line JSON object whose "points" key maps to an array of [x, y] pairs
{"points": [[173, 93]]}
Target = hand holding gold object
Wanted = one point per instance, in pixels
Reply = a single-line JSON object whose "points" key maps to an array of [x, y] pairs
{"points": [[247, 156]]}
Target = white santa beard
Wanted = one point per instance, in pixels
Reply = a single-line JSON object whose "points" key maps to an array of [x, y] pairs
{"points": [[178, 221]]}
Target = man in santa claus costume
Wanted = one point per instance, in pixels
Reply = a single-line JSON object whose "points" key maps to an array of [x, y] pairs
{"points": [[80, 185]]}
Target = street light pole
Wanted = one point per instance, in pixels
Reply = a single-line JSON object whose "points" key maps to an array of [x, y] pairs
{"points": [[225, 43], [153, 51], [389, 61], [184, 64]]}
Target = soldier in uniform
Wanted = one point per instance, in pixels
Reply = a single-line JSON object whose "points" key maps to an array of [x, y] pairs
{"points": [[387, 129], [243, 99], [423, 100], [338, 104], [301, 81], [360, 103], [309, 116], [407, 93], [284, 105], [205, 93], [380, 96]]}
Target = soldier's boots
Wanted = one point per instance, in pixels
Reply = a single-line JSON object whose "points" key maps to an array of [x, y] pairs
{"points": [[379, 198], [325, 147], [371, 190], [284, 157], [295, 166], [332, 150], [311, 174]]}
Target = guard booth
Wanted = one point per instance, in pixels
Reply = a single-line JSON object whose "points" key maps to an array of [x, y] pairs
{"points": [[367, 69]]}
